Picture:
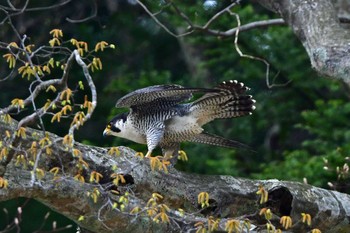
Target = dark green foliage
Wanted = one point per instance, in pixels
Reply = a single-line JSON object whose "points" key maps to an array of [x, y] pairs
{"points": [[33, 217], [326, 147]]}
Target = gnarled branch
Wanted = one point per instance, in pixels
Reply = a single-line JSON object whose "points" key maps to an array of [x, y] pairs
{"points": [[317, 26], [230, 198]]}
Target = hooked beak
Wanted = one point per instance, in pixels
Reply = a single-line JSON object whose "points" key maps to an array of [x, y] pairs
{"points": [[106, 132]]}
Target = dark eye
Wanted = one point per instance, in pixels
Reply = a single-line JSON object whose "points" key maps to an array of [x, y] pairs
{"points": [[114, 129]]}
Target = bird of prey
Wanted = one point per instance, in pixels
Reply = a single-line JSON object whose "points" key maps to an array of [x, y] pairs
{"points": [[160, 116]]}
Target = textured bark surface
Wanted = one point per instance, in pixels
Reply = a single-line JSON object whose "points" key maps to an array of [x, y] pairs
{"points": [[229, 197], [343, 10], [318, 27]]}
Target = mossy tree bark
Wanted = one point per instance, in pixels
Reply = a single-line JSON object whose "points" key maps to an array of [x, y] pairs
{"points": [[323, 31], [229, 197]]}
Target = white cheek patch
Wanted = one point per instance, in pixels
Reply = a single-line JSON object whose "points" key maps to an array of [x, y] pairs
{"points": [[130, 133], [118, 126]]}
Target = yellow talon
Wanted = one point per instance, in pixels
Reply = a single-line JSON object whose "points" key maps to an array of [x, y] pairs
{"points": [[140, 154]]}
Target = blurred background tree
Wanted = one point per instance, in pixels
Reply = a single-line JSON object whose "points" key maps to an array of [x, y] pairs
{"points": [[299, 130]]}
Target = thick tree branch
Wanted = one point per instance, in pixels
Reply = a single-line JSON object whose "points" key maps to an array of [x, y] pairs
{"points": [[230, 198], [317, 26]]}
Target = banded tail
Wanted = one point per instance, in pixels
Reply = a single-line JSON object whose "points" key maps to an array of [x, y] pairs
{"points": [[231, 101]]}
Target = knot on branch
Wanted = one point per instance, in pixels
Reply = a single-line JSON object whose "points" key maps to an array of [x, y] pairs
{"points": [[280, 201]]}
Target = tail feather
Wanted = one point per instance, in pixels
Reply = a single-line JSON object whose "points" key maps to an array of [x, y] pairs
{"points": [[230, 101], [215, 140]]}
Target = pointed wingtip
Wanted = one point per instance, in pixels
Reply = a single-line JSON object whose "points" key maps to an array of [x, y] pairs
{"points": [[216, 140]]}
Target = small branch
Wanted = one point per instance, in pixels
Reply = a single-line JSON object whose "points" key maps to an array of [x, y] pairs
{"points": [[217, 15], [33, 173], [180, 13], [93, 15], [67, 69], [192, 27], [8, 76], [35, 93], [159, 23], [246, 27], [92, 86], [39, 88], [12, 8], [37, 114], [229, 33], [13, 11], [267, 64]]}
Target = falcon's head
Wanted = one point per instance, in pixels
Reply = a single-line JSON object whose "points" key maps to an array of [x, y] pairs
{"points": [[116, 126]]}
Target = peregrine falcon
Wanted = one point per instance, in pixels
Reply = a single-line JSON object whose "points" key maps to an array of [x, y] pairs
{"points": [[158, 115]]}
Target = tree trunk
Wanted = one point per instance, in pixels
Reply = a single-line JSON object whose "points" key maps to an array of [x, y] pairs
{"points": [[318, 27]]}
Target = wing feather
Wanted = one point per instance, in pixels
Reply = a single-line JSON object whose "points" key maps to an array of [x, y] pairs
{"points": [[215, 140], [161, 95]]}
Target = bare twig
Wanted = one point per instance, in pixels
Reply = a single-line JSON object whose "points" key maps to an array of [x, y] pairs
{"points": [[160, 23], [193, 27], [267, 64], [35, 93], [33, 173], [12, 8], [217, 15], [42, 86], [229, 33], [8, 76], [13, 11], [91, 84], [183, 15], [246, 27], [93, 15]]}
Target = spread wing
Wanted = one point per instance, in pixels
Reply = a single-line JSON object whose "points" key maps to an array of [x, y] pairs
{"points": [[159, 96]]}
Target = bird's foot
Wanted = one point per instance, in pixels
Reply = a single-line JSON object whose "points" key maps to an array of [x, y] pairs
{"points": [[139, 154], [182, 155], [159, 163], [148, 154]]}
